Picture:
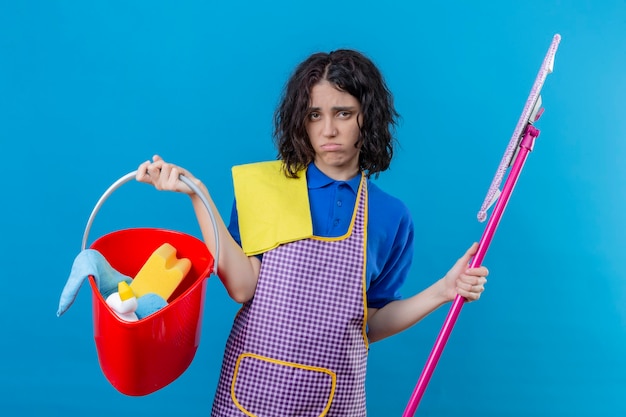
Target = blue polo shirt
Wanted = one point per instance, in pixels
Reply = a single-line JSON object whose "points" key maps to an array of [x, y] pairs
{"points": [[389, 230]]}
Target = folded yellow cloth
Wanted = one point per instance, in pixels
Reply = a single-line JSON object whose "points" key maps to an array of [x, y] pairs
{"points": [[272, 208]]}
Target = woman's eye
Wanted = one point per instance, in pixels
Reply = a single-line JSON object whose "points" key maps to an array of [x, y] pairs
{"points": [[314, 116], [344, 114]]}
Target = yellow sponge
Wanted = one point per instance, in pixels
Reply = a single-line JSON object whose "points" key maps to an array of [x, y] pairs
{"points": [[161, 273]]}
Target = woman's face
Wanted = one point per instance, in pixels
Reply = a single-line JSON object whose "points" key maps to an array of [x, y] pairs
{"points": [[332, 125]]}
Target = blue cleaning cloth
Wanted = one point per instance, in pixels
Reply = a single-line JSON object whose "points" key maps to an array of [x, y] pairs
{"points": [[90, 262], [149, 303]]}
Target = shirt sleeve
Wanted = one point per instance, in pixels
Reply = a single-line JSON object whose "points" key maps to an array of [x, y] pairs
{"points": [[390, 248], [233, 226]]}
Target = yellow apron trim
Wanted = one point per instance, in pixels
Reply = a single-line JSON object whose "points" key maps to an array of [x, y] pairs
{"points": [[273, 209], [330, 373], [365, 219]]}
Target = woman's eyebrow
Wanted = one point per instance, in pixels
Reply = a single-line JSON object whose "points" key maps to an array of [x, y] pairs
{"points": [[334, 108]]}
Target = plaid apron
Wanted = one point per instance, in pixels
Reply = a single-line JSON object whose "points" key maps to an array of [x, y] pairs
{"points": [[299, 347]]}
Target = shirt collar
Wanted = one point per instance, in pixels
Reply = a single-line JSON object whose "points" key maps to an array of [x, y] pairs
{"points": [[317, 179]]}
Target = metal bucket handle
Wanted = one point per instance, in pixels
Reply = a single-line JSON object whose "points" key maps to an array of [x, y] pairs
{"points": [[131, 175]]}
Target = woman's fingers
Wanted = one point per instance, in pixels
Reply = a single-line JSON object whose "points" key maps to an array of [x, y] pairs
{"points": [[471, 286], [171, 177], [142, 172], [162, 175]]}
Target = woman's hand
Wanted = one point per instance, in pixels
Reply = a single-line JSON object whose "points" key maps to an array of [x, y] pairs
{"points": [[469, 283], [164, 176], [399, 315]]}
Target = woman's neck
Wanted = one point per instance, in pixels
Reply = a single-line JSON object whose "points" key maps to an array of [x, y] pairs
{"points": [[338, 173]]}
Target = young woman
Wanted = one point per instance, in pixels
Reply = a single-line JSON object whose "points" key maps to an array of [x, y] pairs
{"points": [[315, 251]]}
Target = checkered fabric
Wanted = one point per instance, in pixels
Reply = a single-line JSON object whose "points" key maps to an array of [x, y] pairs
{"points": [[298, 348]]}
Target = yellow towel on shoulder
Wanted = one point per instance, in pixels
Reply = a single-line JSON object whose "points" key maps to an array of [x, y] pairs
{"points": [[272, 208]]}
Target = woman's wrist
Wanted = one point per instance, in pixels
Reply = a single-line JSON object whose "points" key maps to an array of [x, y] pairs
{"points": [[191, 193], [442, 291]]}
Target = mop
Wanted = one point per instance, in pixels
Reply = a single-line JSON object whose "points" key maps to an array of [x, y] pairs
{"points": [[520, 145]]}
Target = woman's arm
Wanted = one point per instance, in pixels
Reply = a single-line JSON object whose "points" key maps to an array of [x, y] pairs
{"points": [[238, 272], [399, 315]]}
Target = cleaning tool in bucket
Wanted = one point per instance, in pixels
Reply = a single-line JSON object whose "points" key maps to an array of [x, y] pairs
{"points": [[515, 155], [123, 302], [143, 356]]}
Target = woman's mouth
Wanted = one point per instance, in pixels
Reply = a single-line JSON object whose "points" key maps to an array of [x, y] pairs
{"points": [[331, 147]]}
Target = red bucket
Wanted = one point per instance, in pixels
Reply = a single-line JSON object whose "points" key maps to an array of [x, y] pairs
{"points": [[141, 357]]}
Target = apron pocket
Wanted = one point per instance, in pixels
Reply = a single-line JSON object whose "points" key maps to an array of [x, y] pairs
{"points": [[266, 387]]}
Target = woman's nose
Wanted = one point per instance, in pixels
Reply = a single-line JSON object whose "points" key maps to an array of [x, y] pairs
{"points": [[329, 128]]}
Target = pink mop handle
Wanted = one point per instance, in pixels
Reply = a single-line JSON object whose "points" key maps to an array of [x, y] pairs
{"points": [[525, 147]]}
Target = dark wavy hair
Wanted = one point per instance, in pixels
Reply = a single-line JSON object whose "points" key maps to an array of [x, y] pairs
{"points": [[348, 71]]}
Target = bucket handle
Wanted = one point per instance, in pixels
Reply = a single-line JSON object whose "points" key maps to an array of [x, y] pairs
{"points": [[131, 175]]}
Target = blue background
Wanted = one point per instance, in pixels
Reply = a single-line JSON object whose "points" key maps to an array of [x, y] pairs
{"points": [[88, 90]]}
